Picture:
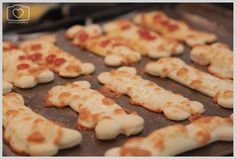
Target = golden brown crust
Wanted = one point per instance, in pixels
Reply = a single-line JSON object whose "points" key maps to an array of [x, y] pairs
{"points": [[58, 137], [203, 136], [132, 102], [73, 68], [195, 83], [84, 114], [12, 112], [218, 75], [195, 117], [215, 98], [228, 94], [134, 152], [63, 96], [17, 151], [109, 93], [182, 72], [46, 101], [36, 137], [200, 132], [159, 144], [81, 127], [108, 101]]}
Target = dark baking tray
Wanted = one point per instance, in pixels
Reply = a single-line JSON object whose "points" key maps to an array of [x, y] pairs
{"points": [[203, 16]]}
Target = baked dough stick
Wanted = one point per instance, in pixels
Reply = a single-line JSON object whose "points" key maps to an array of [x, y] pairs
{"points": [[149, 95], [115, 51], [142, 40], [176, 139], [45, 52], [218, 55], [29, 133], [174, 29], [20, 70], [174, 68], [95, 111]]}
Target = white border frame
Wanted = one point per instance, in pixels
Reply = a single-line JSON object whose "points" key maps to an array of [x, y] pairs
{"points": [[113, 1]]}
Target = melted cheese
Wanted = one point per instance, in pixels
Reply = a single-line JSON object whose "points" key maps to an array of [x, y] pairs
{"points": [[27, 77], [171, 28], [142, 40], [71, 67], [115, 51]]}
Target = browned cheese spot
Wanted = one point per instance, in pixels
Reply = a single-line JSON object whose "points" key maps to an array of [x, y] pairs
{"points": [[58, 136], [36, 137], [73, 68], [134, 152], [182, 72], [203, 137], [196, 83], [228, 94], [107, 101], [12, 112]]}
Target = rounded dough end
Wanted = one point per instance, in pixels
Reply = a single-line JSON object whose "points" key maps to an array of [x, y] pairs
{"points": [[152, 68], [197, 107], [131, 124], [45, 76], [69, 138], [226, 103], [130, 70], [107, 129], [174, 113], [179, 49], [113, 60], [87, 68], [104, 77], [84, 84], [47, 149], [158, 54], [25, 82], [71, 32], [113, 152]]}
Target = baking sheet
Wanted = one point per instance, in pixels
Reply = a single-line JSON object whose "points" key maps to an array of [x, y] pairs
{"points": [[90, 146]]}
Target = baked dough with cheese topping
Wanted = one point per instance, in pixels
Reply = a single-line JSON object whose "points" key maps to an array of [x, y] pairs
{"points": [[149, 95], [29, 133], [178, 138], [43, 51], [174, 68], [174, 29], [95, 110], [20, 70], [115, 51], [143, 40], [218, 56]]}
